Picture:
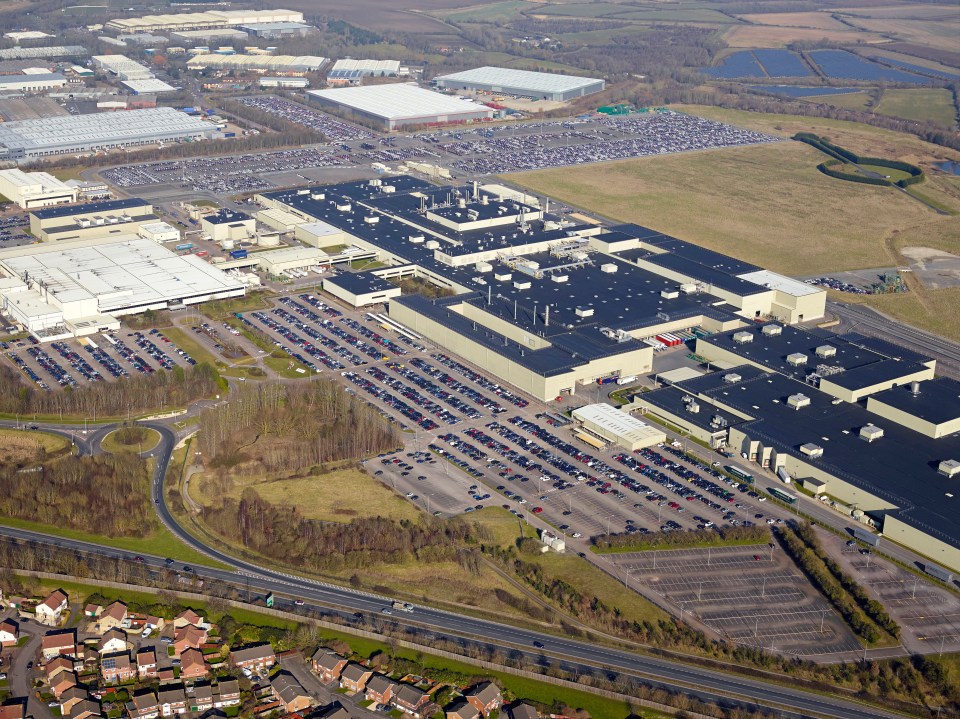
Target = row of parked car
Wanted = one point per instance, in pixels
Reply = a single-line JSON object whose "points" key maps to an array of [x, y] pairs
{"points": [[76, 361], [391, 401], [441, 413], [435, 390], [445, 379], [479, 379]]}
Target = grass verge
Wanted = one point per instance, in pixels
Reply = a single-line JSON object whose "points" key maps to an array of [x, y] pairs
{"points": [[111, 443]]}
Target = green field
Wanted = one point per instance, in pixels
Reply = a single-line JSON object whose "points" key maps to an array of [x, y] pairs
{"points": [[921, 104], [111, 443], [848, 101]]}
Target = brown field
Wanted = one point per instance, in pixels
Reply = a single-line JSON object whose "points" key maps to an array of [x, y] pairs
{"points": [[818, 20], [383, 15], [939, 34], [879, 52], [17, 446], [903, 12], [772, 36]]}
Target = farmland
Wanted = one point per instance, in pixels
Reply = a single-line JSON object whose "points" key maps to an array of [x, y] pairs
{"points": [[922, 105]]}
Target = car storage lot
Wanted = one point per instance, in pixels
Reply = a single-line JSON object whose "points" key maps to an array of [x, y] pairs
{"points": [[754, 595], [102, 357]]}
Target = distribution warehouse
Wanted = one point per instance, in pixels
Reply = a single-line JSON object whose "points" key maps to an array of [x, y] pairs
{"points": [[522, 83], [69, 134], [401, 105], [202, 20]]}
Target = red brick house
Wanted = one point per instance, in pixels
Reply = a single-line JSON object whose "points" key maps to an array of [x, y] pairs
{"points": [[192, 664], [328, 665], [485, 696]]}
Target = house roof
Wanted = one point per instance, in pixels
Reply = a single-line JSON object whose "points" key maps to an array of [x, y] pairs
{"points": [[334, 711], [58, 663], [463, 709], [191, 635], [191, 657], [228, 686], [485, 692], [327, 659], [15, 709], [287, 687], [171, 695], [190, 616], [112, 634], [409, 695], [54, 601], [118, 661], [145, 700], [146, 655], [58, 639], [86, 707], [259, 651], [203, 691], [354, 672], [8, 625], [379, 683], [116, 611]]}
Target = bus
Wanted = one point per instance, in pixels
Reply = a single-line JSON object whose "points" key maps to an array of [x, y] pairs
{"points": [[782, 496], [740, 474]]}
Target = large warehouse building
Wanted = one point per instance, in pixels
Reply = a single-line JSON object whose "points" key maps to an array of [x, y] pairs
{"points": [[522, 83], [70, 134], [34, 82], [401, 105], [257, 63], [201, 20], [32, 190], [78, 288]]}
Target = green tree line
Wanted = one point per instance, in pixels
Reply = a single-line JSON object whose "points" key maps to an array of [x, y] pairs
{"points": [[624, 542]]}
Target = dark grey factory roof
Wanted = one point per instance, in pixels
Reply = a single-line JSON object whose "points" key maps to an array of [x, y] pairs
{"points": [[359, 282], [226, 217], [874, 373], [937, 400], [681, 248], [887, 349], [706, 273], [88, 207], [713, 380], [900, 467], [671, 400]]}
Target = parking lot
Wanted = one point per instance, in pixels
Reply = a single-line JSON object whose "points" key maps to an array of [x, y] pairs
{"points": [[479, 151], [752, 595]]}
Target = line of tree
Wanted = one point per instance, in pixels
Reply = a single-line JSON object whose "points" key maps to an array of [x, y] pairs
{"points": [[872, 607], [129, 395], [623, 542], [842, 155], [827, 169]]}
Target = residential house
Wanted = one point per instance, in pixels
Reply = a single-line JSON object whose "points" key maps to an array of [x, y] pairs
{"points": [[354, 677], [227, 693], [143, 705], [380, 689], [9, 633], [485, 696], [114, 616], [462, 709], [61, 682], [202, 699], [57, 643], [50, 610], [189, 637], [86, 709], [334, 711], [172, 700], [117, 668], [328, 665], [70, 698], [57, 665], [410, 700], [192, 664], [166, 675], [112, 641], [188, 617], [154, 623], [520, 710], [290, 692], [147, 662], [13, 709], [92, 611], [258, 656]]}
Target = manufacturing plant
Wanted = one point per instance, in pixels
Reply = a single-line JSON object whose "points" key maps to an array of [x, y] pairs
{"points": [[528, 305], [92, 220], [32, 82], [257, 63], [520, 83], [71, 289], [30, 190], [400, 105], [349, 72], [202, 20], [72, 134], [890, 459]]}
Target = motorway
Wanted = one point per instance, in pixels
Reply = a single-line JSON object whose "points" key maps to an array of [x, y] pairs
{"points": [[579, 655]]}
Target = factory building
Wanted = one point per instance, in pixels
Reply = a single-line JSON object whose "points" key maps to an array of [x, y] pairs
{"points": [[33, 82], [350, 72], [277, 30], [520, 83], [201, 20], [228, 225], [360, 289], [215, 34], [74, 134], [91, 220], [78, 288], [294, 64], [159, 232], [276, 262], [153, 86], [396, 106], [50, 51], [122, 67], [886, 462], [297, 83], [613, 426], [31, 190]]}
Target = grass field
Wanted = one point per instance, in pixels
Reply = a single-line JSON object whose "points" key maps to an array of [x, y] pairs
{"points": [[817, 20], [847, 101], [336, 497], [112, 444], [25, 446], [188, 344], [776, 36], [923, 104]]}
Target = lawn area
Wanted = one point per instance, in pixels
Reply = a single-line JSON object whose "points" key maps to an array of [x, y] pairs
{"points": [[934, 104], [161, 542], [218, 309], [338, 496], [286, 367], [22, 446], [188, 344], [111, 443]]}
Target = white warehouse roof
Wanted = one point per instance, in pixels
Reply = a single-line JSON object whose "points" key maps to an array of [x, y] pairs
{"points": [[399, 101], [775, 281], [615, 425], [538, 82], [153, 85]]}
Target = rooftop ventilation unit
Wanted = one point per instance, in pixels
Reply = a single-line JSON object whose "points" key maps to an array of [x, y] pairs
{"points": [[796, 359], [718, 421], [608, 267], [732, 377], [772, 330], [688, 288], [670, 294], [303, 192], [483, 267], [693, 407], [798, 401], [318, 196], [344, 206], [472, 215], [371, 219], [811, 450], [584, 311], [415, 239], [502, 276], [559, 278], [826, 351], [388, 189], [742, 338], [870, 433], [949, 468], [521, 284], [432, 244]]}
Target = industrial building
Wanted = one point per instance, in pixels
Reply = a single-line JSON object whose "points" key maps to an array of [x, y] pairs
{"points": [[400, 105], [153, 86], [201, 20], [217, 34], [347, 71], [31, 190], [277, 30], [520, 83], [31, 53], [121, 67], [159, 232], [613, 426], [298, 83], [34, 82], [360, 289], [74, 134], [228, 225], [276, 262], [886, 461], [91, 220], [81, 287], [257, 63]]}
